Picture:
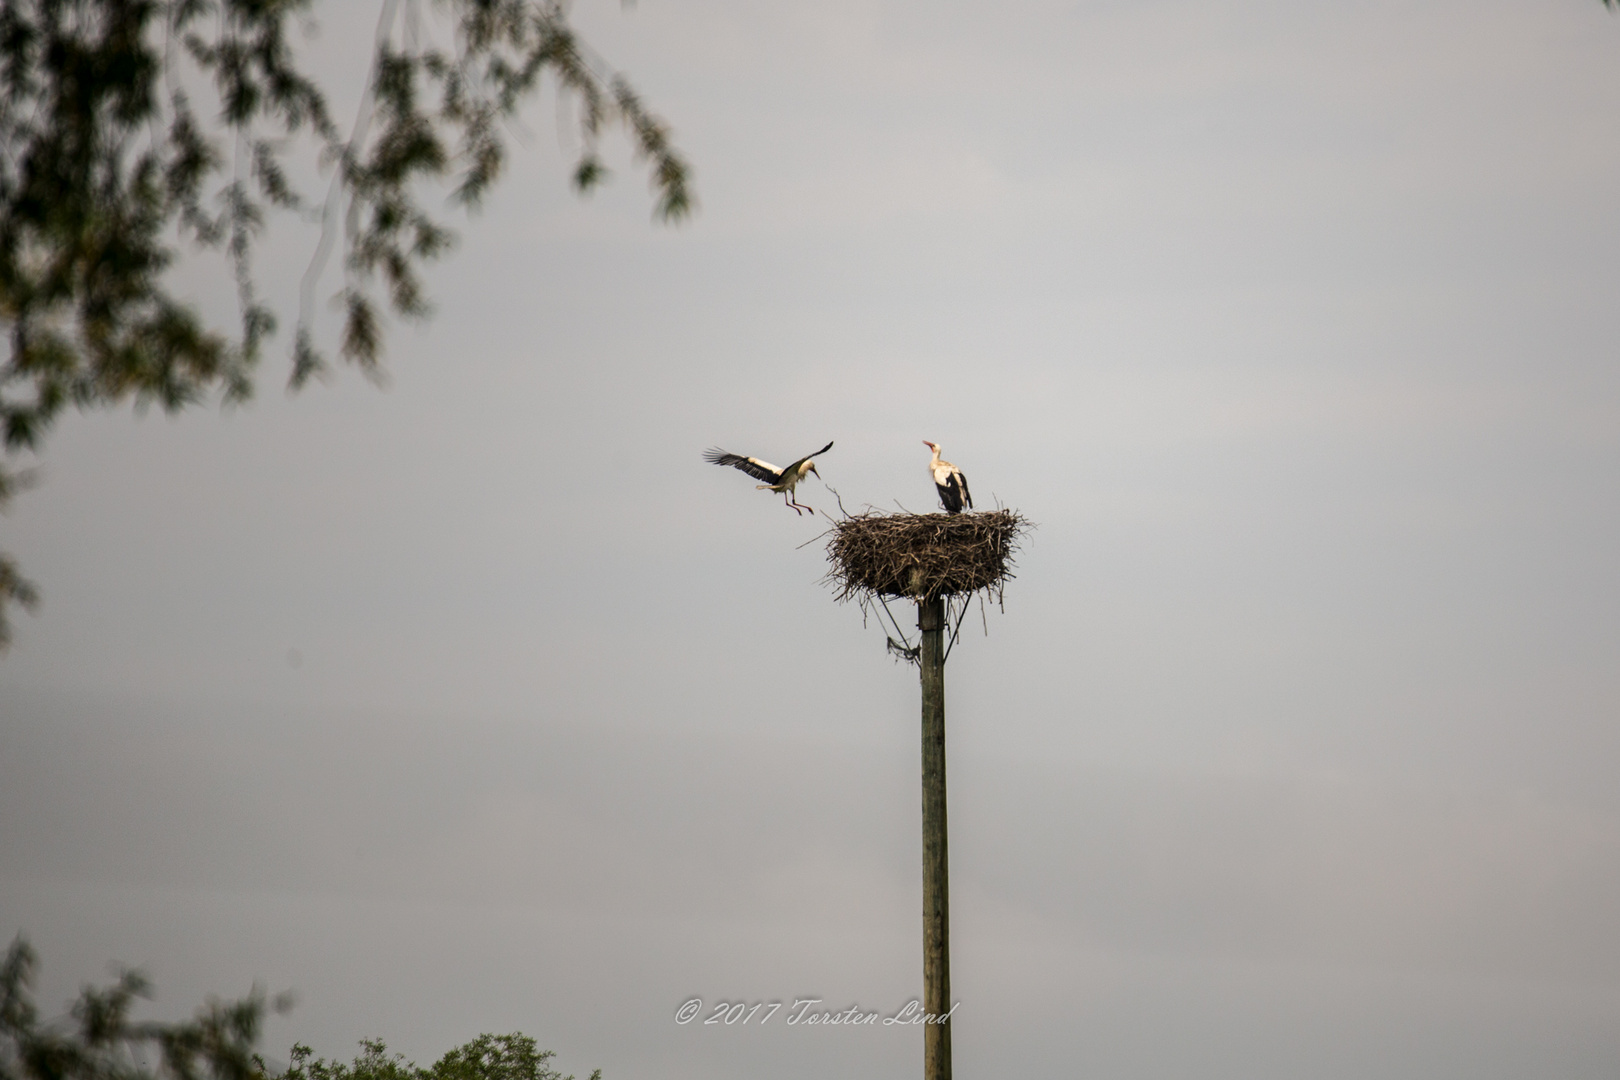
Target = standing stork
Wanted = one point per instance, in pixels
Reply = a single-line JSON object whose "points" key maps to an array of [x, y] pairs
{"points": [[951, 484], [779, 480]]}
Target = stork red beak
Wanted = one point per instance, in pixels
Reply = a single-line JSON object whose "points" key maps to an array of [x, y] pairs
{"points": [[928, 444]]}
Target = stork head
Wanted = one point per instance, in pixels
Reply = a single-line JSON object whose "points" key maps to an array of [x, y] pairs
{"points": [[811, 467], [932, 446]]}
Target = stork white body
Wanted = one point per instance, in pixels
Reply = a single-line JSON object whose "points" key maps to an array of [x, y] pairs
{"points": [[778, 480], [949, 482]]}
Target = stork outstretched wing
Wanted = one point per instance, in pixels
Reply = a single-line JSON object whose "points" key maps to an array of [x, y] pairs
{"points": [[759, 470], [806, 458]]}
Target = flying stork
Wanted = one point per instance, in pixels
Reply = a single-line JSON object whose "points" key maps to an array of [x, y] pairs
{"points": [[779, 480], [948, 479]]}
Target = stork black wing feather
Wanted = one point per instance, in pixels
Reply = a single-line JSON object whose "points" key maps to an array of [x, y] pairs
{"points": [[806, 458], [759, 470]]}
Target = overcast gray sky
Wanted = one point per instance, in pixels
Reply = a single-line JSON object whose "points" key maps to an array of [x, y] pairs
{"points": [[481, 703]]}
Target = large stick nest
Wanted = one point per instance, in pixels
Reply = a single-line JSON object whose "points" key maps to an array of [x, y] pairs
{"points": [[921, 555]]}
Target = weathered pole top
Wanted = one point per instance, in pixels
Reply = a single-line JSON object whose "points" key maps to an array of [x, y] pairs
{"points": [[873, 555]]}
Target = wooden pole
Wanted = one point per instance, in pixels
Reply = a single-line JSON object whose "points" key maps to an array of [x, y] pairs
{"points": [[936, 873]]}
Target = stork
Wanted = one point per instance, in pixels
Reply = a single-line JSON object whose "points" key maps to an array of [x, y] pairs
{"points": [[779, 480], [951, 484]]}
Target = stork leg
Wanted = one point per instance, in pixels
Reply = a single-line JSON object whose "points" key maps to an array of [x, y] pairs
{"points": [[793, 500]]}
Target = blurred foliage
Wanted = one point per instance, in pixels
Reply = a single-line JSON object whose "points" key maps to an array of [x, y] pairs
{"points": [[488, 1057], [134, 130], [99, 1041]]}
